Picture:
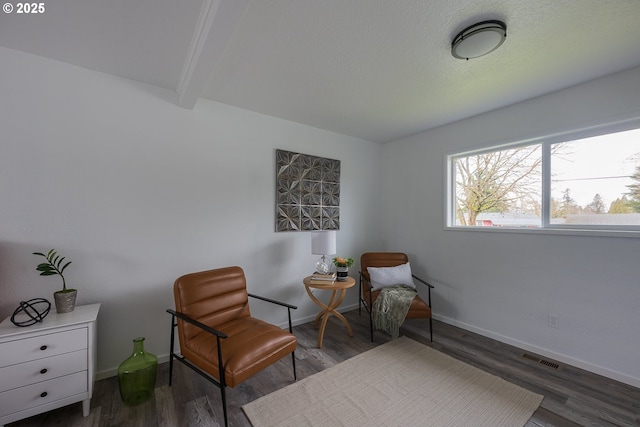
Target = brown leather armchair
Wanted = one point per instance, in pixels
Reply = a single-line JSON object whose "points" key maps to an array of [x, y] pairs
{"points": [[218, 337], [419, 309]]}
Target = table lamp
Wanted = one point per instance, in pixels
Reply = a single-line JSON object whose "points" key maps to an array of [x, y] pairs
{"points": [[323, 243]]}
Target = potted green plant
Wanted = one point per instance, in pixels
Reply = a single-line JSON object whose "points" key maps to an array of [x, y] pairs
{"points": [[342, 267], [66, 298]]}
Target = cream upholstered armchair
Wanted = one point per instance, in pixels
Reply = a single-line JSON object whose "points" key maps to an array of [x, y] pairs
{"points": [[219, 339], [419, 309]]}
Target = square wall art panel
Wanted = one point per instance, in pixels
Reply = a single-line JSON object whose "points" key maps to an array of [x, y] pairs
{"points": [[307, 192]]}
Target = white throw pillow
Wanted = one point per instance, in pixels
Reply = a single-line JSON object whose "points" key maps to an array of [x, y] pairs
{"points": [[382, 277]]}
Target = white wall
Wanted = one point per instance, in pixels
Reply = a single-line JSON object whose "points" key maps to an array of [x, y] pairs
{"points": [[137, 191], [504, 285]]}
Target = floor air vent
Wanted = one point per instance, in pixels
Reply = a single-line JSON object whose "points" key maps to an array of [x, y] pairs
{"points": [[531, 357], [550, 364], [540, 361]]}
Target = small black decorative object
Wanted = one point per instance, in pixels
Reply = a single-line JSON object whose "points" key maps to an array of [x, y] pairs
{"points": [[35, 310]]}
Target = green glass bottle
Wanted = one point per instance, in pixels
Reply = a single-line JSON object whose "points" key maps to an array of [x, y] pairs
{"points": [[137, 375]]}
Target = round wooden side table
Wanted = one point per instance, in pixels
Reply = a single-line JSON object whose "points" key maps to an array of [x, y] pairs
{"points": [[338, 291]]}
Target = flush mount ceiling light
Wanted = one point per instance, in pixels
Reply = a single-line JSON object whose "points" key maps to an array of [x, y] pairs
{"points": [[479, 39]]}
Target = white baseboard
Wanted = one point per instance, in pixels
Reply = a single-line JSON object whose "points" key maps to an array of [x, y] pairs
{"points": [[614, 375]]}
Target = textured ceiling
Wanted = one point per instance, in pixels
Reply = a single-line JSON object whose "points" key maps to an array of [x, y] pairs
{"points": [[374, 69]]}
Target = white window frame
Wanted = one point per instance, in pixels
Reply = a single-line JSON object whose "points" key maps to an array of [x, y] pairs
{"points": [[546, 226]]}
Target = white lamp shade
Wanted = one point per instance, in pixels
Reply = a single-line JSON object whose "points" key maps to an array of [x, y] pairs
{"points": [[323, 242]]}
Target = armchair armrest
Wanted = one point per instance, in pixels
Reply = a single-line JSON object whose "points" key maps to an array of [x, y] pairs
{"points": [[283, 304], [369, 304], [365, 280], [425, 283], [422, 281], [202, 326]]}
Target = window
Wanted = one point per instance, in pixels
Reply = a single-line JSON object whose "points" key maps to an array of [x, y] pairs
{"points": [[575, 182], [596, 181], [497, 188]]}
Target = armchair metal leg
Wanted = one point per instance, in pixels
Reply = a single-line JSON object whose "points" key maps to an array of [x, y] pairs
{"points": [[171, 350], [370, 310], [371, 325], [224, 404], [431, 327], [170, 368], [293, 360]]}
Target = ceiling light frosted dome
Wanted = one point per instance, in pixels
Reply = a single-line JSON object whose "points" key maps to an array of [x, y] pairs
{"points": [[479, 39]]}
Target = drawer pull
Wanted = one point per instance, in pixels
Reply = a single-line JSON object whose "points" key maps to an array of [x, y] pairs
{"points": [[43, 347], [43, 371], [43, 394]]}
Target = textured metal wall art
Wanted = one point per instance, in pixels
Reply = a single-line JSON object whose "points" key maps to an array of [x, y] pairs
{"points": [[307, 192]]}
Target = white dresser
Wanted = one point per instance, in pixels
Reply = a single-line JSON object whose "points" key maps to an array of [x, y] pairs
{"points": [[49, 364]]}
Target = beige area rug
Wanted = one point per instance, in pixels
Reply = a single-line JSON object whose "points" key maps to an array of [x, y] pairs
{"points": [[399, 383]]}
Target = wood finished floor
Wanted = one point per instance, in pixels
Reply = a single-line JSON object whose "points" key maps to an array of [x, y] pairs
{"points": [[573, 397]]}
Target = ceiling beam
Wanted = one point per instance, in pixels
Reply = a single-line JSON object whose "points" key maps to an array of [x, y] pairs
{"points": [[217, 22]]}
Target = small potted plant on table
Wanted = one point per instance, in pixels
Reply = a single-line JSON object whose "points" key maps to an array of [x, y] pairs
{"points": [[342, 267], [66, 298]]}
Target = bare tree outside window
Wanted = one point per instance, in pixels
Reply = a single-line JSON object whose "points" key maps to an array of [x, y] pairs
{"points": [[504, 181]]}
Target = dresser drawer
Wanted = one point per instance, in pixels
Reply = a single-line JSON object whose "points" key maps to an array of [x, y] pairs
{"points": [[22, 398], [24, 350], [42, 369]]}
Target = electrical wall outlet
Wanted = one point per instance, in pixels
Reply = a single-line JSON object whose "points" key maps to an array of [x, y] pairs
{"points": [[554, 321]]}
